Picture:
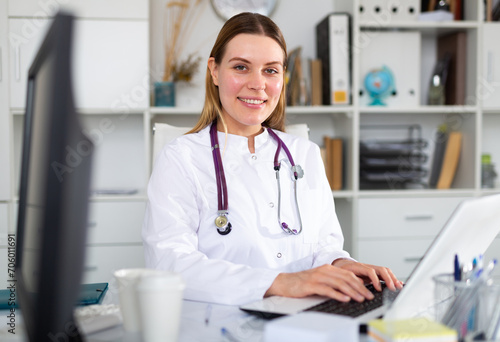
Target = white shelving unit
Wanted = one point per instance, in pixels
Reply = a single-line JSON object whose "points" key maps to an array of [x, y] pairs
{"points": [[119, 61], [111, 89], [402, 223]]}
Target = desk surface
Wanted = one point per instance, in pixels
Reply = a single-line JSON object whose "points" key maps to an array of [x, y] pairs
{"points": [[242, 326]]}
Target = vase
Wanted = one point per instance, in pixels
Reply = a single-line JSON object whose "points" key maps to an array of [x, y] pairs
{"points": [[165, 94]]}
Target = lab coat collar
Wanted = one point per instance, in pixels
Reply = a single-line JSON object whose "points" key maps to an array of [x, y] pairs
{"points": [[237, 142]]}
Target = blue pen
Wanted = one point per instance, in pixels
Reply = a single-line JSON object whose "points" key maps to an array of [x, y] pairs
{"points": [[228, 335], [457, 268]]}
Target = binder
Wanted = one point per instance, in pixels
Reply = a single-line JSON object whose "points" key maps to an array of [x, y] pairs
{"points": [[333, 48], [450, 161], [89, 294], [92, 293], [334, 155], [454, 44], [316, 83], [441, 138]]}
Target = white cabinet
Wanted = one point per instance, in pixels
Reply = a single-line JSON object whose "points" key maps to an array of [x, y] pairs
{"points": [[401, 256], [388, 218], [102, 261], [396, 232], [115, 222], [109, 73]]}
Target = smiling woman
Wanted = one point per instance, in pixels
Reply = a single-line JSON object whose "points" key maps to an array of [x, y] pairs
{"points": [[249, 82], [237, 251]]}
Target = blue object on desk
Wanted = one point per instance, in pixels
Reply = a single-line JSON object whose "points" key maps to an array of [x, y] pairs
{"points": [[89, 294], [92, 293]]}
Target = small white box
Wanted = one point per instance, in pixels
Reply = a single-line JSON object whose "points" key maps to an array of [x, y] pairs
{"points": [[312, 326], [383, 12]]}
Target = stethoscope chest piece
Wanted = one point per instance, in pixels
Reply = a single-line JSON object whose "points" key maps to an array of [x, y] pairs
{"points": [[223, 225]]}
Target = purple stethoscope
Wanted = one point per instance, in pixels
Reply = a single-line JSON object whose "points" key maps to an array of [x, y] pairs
{"points": [[221, 222]]}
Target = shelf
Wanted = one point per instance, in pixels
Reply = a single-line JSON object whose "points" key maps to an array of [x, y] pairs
{"points": [[91, 111], [426, 27], [175, 110], [491, 110], [318, 109], [139, 197], [419, 110], [343, 194], [289, 110], [417, 193]]}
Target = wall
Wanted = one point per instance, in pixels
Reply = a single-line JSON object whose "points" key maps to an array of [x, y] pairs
{"points": [[296, 18]]}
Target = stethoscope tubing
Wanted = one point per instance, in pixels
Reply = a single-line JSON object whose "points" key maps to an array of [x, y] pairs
{"points": [[221, 222]]}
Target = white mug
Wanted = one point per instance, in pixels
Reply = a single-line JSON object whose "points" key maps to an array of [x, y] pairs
{"points": [[127, 291], [160, 301]]}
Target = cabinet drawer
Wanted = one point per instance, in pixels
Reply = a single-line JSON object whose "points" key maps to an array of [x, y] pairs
{"points": [[404, 217], [101, 262], [115, 222], [401, 256]]}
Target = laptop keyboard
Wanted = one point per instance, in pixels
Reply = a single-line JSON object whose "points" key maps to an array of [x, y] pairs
{"points": [[352, 308]]}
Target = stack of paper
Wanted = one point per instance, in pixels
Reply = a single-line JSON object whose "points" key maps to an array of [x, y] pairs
{"points": [[410, 330]]}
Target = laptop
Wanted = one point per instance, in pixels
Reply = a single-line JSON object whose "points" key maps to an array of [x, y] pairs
{"points": [[468, 232]]}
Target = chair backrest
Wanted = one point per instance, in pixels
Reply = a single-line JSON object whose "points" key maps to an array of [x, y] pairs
{"points": [[164, 133]]}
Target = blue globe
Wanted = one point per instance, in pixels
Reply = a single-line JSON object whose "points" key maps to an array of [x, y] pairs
{"points": [[379, 84]]}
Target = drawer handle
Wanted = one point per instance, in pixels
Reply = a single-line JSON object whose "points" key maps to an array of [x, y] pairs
{"points": [[90, 268], [17, 61], [419, 217], [413, 259], [92, 224]]}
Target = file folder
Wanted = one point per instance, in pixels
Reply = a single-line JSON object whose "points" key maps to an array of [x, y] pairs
{"points": [[333, 48]]}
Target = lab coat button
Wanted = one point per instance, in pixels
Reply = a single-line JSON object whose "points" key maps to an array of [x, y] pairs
{"points": [[254, 157], [271, 204], [279, 255]]}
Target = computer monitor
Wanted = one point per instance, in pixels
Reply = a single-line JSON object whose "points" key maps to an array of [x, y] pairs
{"points": [[54, 193]]}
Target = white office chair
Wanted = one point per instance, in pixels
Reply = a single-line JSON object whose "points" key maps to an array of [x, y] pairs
{"points": [[164, 133]]}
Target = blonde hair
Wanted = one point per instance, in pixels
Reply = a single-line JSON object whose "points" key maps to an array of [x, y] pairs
{"points": [[250, 23]]}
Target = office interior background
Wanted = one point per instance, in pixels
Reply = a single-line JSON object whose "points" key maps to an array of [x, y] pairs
{"points": [[119, 55]]}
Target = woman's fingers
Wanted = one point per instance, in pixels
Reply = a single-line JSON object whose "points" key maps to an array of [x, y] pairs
{"points": [[326, 280]]}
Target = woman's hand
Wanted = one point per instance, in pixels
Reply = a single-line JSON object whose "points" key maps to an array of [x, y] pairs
{"points": [[343, 281], [370, 273]]}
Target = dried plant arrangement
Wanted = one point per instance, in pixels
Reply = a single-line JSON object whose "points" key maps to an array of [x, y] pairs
{"points": [[179, 19]]}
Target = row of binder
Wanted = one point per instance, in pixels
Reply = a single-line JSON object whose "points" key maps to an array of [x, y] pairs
{"points": [[394, 50]]}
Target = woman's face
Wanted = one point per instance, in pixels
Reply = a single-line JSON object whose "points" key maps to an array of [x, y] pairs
{"points": [[250, 78]]}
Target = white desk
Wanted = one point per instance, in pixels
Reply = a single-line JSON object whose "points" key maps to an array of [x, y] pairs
{"points": [[242, 326]]}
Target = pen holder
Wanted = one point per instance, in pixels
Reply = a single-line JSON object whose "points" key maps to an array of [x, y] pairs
{"points": [[470, 307], [488, 315], [446, 291]]}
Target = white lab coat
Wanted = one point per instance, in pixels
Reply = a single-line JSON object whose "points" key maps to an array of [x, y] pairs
{"points": [[179, 233]]}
